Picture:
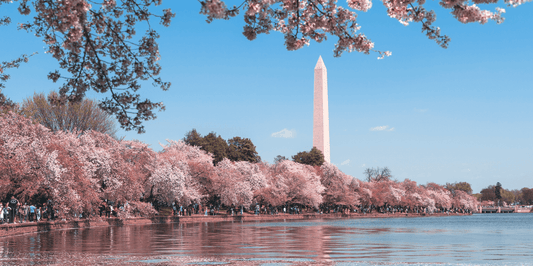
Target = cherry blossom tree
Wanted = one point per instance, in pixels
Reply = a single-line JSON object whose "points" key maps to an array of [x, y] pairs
{"points": [[72, 187], [339, 187], [463, 200], [276, 189], [74, 170], [414, 195], [301, 182], [108, 168], [253, 174], [177, 173], [364, 192], [137, 157], [24, 159], [440, 195], [6, 104], [14, 63], [200, 164], [37, 163], [380, 192], [97, 49], [301, 21], [231, 184], [396, 194], [97, 166], [77, 170], [386, 193]]}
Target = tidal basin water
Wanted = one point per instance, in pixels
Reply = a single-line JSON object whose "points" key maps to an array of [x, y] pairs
{"points": [[487, 239]]}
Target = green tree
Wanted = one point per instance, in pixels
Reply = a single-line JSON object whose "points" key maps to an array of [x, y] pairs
{"points": [[235, 149], [5, 103], [498, 191], [463, 186], [215, 145], [193, 138], [517, 195], [508, 196], [242, 149], [315, 157], [477, 196], [488, 193], [279, 159], [526, 196], [211, 143], [53, 113]]}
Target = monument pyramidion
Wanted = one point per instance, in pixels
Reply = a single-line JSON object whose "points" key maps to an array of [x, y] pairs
{"points": [[320, 111]]}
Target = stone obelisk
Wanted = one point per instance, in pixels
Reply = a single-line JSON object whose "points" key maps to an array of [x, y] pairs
{"points": [[320, 111]]}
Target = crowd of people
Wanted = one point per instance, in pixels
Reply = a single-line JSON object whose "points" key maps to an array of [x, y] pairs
{"points": [[294, 209], [15, 211], [109, 209]]}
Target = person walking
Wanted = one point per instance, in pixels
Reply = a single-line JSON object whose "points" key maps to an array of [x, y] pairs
{"points": [[6, 212], [102, 207], [1, 213], [13, 203], [26, 212], [32, 213], [20, 211], [50, 210], [44, 212]]}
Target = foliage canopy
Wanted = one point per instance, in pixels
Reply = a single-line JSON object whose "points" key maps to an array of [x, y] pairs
{"points": [[314, 157]]}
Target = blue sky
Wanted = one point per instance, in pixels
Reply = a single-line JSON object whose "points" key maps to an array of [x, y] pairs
{"points": [[459, 114]]}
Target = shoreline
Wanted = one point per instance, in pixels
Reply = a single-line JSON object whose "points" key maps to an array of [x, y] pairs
{"points": [[9, 230]]}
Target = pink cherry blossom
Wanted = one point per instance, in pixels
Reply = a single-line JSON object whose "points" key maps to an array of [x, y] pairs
{"points": [[301, 21], [96, 45]]}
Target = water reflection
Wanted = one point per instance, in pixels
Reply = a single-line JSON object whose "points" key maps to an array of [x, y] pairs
{"points": [[476, 239]]}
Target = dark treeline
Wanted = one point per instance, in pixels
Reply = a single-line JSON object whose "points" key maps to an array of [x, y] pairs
{"points": [[235, 149], [496, 193]]}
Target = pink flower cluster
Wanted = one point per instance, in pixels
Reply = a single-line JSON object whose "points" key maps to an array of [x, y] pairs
{"points": [[303, 20], [95, 44], [78, 170]]}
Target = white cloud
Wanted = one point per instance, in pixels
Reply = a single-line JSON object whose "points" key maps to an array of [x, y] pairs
{"points": [[347, 162], [382, 128], [363, 165], [284, 133]]}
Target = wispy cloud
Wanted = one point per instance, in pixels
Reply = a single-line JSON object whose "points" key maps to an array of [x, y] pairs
{"points": [[284, 133], [382, 128], [421, 110], [347, 162], [363, 165]]}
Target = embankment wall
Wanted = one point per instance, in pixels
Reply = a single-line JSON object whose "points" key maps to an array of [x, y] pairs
{"points": [[7, 230]]}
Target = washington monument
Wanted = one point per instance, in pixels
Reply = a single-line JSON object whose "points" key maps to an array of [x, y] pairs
{"points": [[320, 111]]}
